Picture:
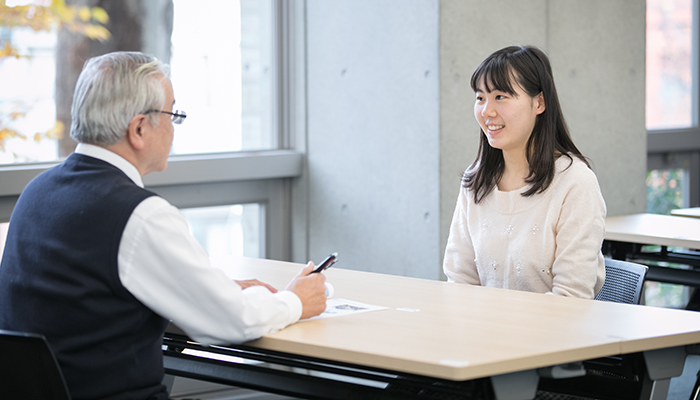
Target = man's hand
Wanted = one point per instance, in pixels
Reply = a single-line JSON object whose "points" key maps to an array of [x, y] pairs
{"points": [[310, 290], [254, 282]]}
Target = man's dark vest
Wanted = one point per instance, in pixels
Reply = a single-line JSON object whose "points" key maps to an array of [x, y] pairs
{"points": [[59, 278]]}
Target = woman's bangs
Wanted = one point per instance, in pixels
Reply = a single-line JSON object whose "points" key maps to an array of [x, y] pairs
{"points": [[497, 75]]}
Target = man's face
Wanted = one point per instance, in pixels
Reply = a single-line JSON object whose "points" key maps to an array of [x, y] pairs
{"points": [[161, 137]]}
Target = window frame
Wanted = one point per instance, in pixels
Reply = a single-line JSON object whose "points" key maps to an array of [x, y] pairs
{"points": [[263, 177]]}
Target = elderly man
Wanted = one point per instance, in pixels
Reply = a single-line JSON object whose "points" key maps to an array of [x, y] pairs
{"points": [[98, 264]]}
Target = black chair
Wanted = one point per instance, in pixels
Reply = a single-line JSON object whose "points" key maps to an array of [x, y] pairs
{"points": [[28, 368], [623, 282]]}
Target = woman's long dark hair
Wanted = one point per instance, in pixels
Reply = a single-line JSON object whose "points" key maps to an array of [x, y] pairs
{"points": [[529, 68]]}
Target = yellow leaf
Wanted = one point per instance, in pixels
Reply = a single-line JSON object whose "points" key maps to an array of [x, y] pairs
{"points": [[96, 32], [100, 15], [16, 114], [84, 14], [8, 51], [6, 133], [56, 132]]}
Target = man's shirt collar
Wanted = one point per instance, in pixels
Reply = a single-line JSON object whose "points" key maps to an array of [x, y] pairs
{"points": [[112, 158]]}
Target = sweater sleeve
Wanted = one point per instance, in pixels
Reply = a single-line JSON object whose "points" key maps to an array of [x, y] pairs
{"points": [[458, 264], [579, 268]]}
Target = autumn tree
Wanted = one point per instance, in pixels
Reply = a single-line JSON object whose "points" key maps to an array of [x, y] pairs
{"points": [[86, 28], [47, 16], [135, 25]]}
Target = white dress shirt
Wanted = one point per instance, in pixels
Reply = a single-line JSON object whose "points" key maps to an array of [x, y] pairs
{"points": [[165, 268]]}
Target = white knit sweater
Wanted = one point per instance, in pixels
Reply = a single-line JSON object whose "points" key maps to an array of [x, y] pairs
{"points": [[546, 243]]}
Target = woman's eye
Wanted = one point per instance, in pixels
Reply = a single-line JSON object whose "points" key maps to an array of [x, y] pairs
{"points": [[500, 97]]}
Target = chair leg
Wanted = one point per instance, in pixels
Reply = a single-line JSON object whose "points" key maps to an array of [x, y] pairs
{"points": [[695, 394], [168, 381]]}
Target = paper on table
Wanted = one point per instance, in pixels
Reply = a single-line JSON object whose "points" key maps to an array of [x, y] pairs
{"points": [[338, 307]]}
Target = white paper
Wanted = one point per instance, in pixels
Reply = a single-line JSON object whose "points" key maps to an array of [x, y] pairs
{"points": [[339, 307]]}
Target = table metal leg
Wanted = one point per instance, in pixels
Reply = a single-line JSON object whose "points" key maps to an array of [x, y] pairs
{"points": [[662, 365], [515, 386]]}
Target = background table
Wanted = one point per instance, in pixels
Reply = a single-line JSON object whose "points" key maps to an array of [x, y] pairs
{"points": [[626, 237], [453, 332], [693, 212]]}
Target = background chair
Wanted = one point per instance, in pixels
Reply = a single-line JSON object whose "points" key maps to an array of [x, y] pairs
{"points": [[28, 368], [623, 282]]}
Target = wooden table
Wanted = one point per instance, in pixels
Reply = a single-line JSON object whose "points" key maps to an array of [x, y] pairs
{"points": [[448, 333], [626, 237], [693, 212], [654, 229]]}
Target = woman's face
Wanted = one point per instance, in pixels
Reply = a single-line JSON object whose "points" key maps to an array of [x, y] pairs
{"points": [[507, 120]]}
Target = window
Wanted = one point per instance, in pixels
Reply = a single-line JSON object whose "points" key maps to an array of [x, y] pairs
{"points": [[669, 66], [222, 73], [223, 77], [666, 190], [26, 99], [235, 98], [228, 230], [673, 140], [672, 105]]}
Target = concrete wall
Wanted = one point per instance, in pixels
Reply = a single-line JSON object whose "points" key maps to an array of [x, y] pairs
{"points": [[389, 113], [373, 134]]}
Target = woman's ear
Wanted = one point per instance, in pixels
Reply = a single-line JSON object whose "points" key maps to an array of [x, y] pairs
{"points": [[136, 131], [539, 103]]}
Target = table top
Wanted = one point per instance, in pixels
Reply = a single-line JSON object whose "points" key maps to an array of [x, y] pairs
{"points": [[459, 332], [693, 212], [654, 229]]}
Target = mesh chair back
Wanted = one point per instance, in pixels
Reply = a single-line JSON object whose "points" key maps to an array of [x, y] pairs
{"points": [[28, 368], [623, 282]]}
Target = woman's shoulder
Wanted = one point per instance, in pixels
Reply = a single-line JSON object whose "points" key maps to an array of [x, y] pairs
{"points": [[573, 169], [571, 163]]}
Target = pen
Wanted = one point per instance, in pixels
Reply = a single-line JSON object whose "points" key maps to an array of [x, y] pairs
{"points": [[325, 264]]}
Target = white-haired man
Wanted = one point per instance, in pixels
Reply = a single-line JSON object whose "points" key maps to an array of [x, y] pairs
{"points": [[99, 265]]}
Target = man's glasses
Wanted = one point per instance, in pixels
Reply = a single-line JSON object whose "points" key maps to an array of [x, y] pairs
{"points": [[177, 117]]}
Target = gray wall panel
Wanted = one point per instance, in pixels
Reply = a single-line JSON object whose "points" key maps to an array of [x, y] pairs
{"points": [[373, 133]]}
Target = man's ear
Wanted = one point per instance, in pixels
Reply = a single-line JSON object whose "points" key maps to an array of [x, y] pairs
{"points": [[136, 132]]}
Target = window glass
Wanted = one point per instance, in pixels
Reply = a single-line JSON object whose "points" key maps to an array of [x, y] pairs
{"points": [[669, 75], [233, 230], [222, 76], [666, 190], [659, 294], [27, 96], [221, 68]]}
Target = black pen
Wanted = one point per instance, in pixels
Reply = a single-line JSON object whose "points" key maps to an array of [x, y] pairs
{"points": [[325, 264]]}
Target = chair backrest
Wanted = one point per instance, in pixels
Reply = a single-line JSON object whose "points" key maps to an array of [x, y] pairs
{"points": [[623, 282], [28, 368]]}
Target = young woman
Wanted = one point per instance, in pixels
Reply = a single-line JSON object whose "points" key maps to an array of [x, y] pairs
{"points": [[530, 215]]}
